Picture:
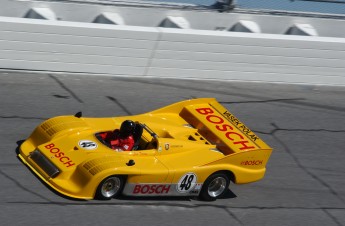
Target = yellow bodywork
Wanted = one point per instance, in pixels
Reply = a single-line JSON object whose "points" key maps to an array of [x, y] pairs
{"points": [[197, 136]]}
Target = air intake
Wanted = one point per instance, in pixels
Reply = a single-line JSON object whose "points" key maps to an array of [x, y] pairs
{"points": [[49, 168]]}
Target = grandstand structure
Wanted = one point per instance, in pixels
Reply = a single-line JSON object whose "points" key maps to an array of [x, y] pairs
{"points": [[171, 40]]}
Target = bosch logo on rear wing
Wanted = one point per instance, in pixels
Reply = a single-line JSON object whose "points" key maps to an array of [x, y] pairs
{"points": [[220, 127]]}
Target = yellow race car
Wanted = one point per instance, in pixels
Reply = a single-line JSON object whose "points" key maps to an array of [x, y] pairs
{"points": [[190, 148]]}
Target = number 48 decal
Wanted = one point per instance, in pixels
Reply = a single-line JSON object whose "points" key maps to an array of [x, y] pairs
{"points": [[186, 183]]}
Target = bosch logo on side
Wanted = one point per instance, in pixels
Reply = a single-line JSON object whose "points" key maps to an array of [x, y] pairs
{"points": [[151, 189]]}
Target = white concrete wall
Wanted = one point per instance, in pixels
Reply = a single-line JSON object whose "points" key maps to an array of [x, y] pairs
{"points": [[75, 47], [163, 52], [247, 56]]}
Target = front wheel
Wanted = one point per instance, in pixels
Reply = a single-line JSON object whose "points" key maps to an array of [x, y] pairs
{"points": [[214, 187], [109, 188]]}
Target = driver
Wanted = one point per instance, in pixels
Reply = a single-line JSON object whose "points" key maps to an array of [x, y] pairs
{"points": [[122, 139]]}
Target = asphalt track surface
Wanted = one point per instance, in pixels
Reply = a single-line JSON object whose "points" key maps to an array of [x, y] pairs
{"points": [[304, 183]]}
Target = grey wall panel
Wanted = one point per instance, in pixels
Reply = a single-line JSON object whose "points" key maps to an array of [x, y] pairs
{"points": [[249, 76], [249, 39], [76, 40], [77, 49], [249, 67], [224, 60], [200, 51], [95, 68], [236, 71], [75, 58]]}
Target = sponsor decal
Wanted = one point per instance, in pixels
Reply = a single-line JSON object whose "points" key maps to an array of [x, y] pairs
{"points": [[240, 126], [60, 155], [176, 146], [148, 189], [252, 163], [186, 183], [88, 144], [228, 130]]}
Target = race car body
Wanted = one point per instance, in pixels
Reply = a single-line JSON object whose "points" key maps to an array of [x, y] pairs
{"points": [[190, 148]]}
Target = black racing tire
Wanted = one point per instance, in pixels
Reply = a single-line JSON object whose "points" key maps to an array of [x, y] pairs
{"points": [[214, 187], [110, 187]]}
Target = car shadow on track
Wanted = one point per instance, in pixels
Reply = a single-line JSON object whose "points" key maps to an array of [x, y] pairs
{"points": [[228, 195], [19, 142]]}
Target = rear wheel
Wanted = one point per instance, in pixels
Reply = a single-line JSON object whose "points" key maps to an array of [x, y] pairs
{"points": [[214, 187], [109, 188]]}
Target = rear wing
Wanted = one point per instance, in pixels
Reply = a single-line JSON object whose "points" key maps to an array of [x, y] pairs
{"points": [[217, 125]]}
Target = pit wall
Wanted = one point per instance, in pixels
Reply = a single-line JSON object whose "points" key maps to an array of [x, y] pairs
{"points": [[121, 50]]}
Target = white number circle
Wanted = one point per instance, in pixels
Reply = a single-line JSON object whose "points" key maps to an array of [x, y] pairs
{"points": [[186, 183], [88, 144]]}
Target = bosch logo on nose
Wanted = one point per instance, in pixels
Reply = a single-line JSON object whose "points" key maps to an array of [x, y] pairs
{"points": [[60, 155]]}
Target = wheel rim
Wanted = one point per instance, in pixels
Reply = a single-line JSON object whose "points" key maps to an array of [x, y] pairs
{"points": [[110, 187], [217, 187]]}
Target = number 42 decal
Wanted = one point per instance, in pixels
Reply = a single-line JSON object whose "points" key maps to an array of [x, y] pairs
{"points": [[186, 183]]}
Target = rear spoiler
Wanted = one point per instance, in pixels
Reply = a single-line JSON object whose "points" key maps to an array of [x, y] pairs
{"points": [[216, 124]]}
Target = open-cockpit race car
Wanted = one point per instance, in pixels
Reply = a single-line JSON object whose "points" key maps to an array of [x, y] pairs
{"points": [[190, 148]]}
